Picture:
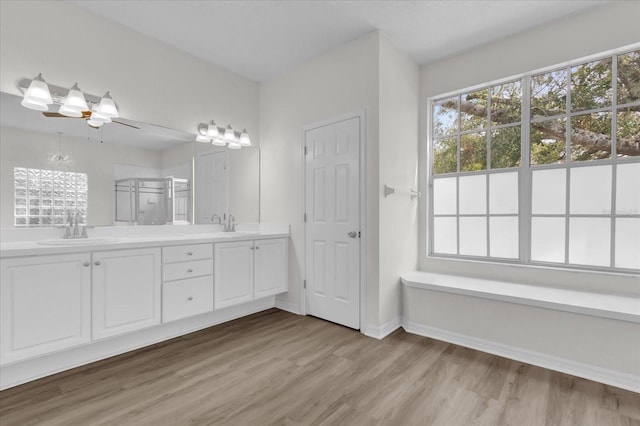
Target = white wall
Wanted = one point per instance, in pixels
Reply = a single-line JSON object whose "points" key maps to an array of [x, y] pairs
{"points": [[367, 73], [398, 233], [20, 148], [597, 342], [341, 81], [151, 81]]}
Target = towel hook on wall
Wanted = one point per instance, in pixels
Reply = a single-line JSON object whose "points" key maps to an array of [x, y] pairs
{"points": [[388, 190]]}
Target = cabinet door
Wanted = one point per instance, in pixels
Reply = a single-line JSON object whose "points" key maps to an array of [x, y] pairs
{"points": [[45, 303], [126, 291], [233, 273], [271, 270]]}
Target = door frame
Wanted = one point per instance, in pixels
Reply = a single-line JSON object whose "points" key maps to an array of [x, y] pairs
{"points": [[361, 115]]}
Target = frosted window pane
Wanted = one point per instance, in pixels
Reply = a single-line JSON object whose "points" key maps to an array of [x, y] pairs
{"points": [[444, 196], [590, 191], [503, 193], [590, 241], [503, 237], [627, 243], [628, 189], [547, 239], [549, 192], [445, 235], [473, 236], [473, 194]]}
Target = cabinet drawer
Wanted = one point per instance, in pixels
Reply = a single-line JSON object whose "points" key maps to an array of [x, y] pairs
{"points": [[182, 270], [184, 298], [187, 252]]}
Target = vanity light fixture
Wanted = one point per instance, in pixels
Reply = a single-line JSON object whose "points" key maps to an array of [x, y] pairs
{"points": [[72, 102], [244, 138], [211, 133], [37, 96], [202, 139], [107, 107], [229, 135]]}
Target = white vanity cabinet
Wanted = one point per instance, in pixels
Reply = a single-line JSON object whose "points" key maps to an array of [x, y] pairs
{"points": [[45, 304], [126, 288], [270, 267], [248, 270], [187, 281]]}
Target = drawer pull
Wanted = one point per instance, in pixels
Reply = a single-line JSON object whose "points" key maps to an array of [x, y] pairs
{"points": [[189, 253], [190, 270], [97, 263], [257, 247], [86, 264], [190, 298]]}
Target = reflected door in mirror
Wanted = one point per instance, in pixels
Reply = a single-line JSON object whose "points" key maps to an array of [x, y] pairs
{"points": [[211, 188]]}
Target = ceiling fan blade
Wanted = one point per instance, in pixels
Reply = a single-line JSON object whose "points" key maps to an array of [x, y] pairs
{"points": [[125, 124], [85, 114]]}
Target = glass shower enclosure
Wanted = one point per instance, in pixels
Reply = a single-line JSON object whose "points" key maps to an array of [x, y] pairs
{"points": [[153, 201]]}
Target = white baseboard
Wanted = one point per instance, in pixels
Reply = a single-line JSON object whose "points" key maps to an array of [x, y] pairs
{"points": [[294, 308], [610, 377], [35, 368], [382, 331]]}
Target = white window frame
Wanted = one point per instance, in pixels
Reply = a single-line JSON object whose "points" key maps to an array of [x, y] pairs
{"points": [[525, 170]]}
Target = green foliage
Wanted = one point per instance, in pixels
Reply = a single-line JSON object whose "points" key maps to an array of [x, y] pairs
{"points": [[589, 87]]}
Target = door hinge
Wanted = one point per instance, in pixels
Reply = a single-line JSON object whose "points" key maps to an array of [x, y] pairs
{"points": [[304, 284], [358, 234]]}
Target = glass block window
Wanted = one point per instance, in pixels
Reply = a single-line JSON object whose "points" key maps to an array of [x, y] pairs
{"points": [[544, 169], [43, 197]]}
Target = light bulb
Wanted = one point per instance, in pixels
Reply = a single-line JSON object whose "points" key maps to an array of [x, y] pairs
{"points": [[37, 96], [244, 138], [229, 135], [96, 116], [94, 123], [67, 112], [107, 106], [212, 130], [75, 100]]}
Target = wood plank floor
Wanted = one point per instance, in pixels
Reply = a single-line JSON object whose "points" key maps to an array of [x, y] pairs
{"points": [[276, 368]]}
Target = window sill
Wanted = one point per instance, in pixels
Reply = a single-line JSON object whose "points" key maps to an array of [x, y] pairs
{"points": [[623, 308]]}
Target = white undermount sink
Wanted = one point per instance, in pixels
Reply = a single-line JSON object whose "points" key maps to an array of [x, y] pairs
{"points": [[76, 241], [236, 233]]}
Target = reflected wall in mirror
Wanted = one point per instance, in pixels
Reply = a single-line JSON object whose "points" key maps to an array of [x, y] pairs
{"points": [[30, 140]]}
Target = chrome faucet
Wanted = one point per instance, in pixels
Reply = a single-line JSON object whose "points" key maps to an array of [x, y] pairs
{"points": [[72, 230], [230, 226], [215, 218]]}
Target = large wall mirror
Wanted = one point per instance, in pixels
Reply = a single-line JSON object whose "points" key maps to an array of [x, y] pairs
{"points": [[47, 162]]}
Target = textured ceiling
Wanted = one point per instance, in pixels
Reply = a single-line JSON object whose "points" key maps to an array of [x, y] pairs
{"points": [[262, 39]]}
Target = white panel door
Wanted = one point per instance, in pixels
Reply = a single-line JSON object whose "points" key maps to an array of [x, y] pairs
{"points": [[333, 222], [45, 305], [232, 273], [211, 186], [126, 291], [271, 270]]}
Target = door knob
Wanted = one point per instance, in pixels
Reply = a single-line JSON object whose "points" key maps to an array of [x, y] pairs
{"points": [[352, 234]]}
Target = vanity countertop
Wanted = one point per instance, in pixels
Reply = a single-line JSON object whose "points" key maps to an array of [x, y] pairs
{"points": [[31, 248]]}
